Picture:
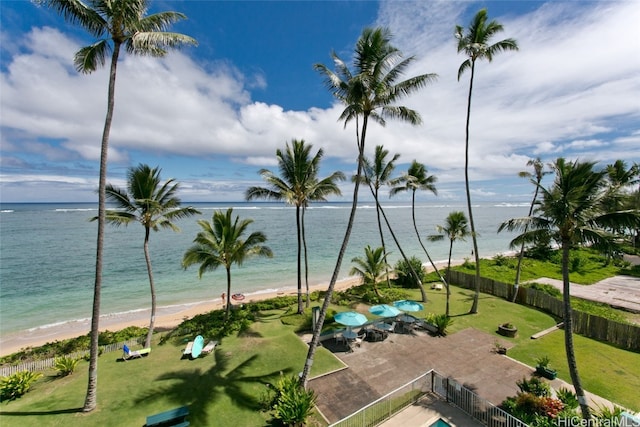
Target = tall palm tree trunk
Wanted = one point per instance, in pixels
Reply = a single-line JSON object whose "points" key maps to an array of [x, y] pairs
{"points": [[415, 227], [568, 333], [384, 247], [516, 284], [448, 278], [423, 293], [306, 259], [476, 297], [228, 309], [147, 257], [299, 261], [91, 398], [343, 248]]}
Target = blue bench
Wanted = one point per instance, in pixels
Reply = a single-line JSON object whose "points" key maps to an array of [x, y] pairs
{"points": [[175, 417]]}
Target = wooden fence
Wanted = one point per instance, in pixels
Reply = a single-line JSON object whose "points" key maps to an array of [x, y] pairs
{"points": [[624, 335], [41, 365]]}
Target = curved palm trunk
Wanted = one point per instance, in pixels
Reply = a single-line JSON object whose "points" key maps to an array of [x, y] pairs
{"points": [[448, 277], [415, 227], [228, 309], [423, 293], [299, 235], [147, 257], [306, 259], [568, 334], [313, 345], [91, 398], [384, 247], [516, 285], [476, 297]]}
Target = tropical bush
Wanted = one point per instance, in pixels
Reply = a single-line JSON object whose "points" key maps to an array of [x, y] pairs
{"points": [[65, 365], [16, 385], [404, 276], [292, 404]]}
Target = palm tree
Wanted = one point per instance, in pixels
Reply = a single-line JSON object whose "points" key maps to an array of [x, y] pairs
{"points": [[538, 173], [117, 24], [369, 93], [151, 204], [456, 228], [572, 213], [377, 174], [475, 44], [297, 185], [372, 268], [221, 243], [417, 178], [620, 178]]}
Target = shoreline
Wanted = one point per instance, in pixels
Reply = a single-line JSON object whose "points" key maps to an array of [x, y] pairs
{"points": [[167, 317]]}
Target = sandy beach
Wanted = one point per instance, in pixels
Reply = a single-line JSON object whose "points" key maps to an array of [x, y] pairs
{"points": [[166, 318]]}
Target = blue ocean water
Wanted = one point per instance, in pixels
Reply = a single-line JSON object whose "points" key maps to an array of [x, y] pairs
{"points": [[47, 254]]}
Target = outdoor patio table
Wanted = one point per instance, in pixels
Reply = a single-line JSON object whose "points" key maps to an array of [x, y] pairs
{"points": [[383, 326], [349, 334]]}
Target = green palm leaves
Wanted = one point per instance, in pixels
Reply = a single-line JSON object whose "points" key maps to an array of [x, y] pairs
{"points": [[221, 243]]}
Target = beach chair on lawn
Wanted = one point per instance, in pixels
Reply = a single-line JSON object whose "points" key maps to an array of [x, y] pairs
{"points": [[187, 350], [209, 347], [128, 354]]}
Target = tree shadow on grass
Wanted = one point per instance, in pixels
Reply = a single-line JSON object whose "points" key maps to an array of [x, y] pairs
{"points": [[200, 389], [36, 413]]}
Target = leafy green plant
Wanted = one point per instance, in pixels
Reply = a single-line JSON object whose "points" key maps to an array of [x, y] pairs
{"points": [[543, 361], [16, 385], [535, 386], [501, 260], [404, 277], [442, 322], [602, 412], [292, 404], [65, 365], [567, 397]]}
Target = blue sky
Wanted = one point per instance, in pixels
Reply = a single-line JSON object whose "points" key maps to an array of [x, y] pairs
{"points": [[211, 116]]}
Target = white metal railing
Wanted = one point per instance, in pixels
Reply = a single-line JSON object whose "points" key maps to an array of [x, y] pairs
{"points": [[448, 389]]}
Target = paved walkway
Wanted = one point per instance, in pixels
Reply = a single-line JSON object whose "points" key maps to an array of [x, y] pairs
{"points": [[618, 291], [377, 368]]}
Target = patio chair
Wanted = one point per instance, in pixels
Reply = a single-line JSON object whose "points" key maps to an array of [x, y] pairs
{"points": [[209, 347], [128, 354], [187, 350]]}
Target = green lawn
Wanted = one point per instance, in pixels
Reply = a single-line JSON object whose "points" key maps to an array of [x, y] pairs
{"points": [[226, 388]]}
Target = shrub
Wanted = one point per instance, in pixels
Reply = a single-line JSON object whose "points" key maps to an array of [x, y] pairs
{"points": [[501, 260], [404, 277], [442, 322], [14, 386], [547, 289], [535, 386], [568, 397], [65, 365], [292, 404]]}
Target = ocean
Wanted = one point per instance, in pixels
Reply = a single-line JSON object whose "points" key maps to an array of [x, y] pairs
{"points": [[47, 254]]}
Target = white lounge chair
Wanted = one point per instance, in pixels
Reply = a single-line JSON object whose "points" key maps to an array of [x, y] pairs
{"points": [[209, 347], [187, 349], [128, 354]]}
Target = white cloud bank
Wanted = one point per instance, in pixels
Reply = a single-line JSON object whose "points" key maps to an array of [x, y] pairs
{"points": [[572, 90]]}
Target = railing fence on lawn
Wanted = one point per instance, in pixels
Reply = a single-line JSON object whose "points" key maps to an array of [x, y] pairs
{"points": [[41, 365], [625, 335], [431, 382]]}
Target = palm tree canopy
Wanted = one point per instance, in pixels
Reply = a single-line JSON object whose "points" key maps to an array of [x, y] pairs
{"points": [[475, 42], [298, 183], [378, 172], [122, 22], [372, 267], [572, 210], [146, 200], [220, 243], [416, 178], [377, 65], [456, 228]]}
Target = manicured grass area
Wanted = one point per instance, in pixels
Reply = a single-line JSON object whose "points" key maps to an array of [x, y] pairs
{"points": [[586, 267], [221, 389]]}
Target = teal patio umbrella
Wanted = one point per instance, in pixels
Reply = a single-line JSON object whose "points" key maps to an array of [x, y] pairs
{"points": [[384, 310], [408, 305]]}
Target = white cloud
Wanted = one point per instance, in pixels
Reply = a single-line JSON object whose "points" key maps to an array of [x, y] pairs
{"points": [[570, 91]]}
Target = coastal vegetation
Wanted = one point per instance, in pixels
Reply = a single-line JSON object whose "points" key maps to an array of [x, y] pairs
{"points": [[154, 205], [116, 25], [475, 43]]}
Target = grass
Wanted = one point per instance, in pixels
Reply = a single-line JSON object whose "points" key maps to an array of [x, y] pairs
{"points": [[227, 388]]}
